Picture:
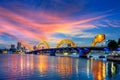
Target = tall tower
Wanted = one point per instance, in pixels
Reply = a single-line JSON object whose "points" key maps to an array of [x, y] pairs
{"points": [[19, 45]]}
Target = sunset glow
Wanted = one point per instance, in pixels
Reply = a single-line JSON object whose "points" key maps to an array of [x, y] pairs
{"points": [[31, 21]]}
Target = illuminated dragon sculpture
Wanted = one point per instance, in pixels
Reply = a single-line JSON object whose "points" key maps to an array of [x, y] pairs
{"points": [[98, 38]]}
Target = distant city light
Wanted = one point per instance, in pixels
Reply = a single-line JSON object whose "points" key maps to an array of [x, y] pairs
{"points": [[65, 54]]}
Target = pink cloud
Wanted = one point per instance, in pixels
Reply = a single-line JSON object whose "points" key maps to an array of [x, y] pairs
{"points": [[24, 27]]}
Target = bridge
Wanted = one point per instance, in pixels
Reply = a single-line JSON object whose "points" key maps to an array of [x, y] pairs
{"points": [[82, 51], [71, 47]]}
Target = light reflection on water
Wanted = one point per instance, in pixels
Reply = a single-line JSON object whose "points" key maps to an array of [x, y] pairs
{"points": [[41, 67], [64, 66]]}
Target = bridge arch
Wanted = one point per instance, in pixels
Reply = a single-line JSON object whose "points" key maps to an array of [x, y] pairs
{"points": [[42, 43], [70, 42]]}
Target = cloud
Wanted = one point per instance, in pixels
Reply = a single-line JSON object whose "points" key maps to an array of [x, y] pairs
{"points": [[42, 26], [113, 23]]}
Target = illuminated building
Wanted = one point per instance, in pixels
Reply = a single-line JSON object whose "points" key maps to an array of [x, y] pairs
{"points": [[12, 48], [19, 45]]}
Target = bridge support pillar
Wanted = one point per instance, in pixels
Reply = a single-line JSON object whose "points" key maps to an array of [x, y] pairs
{"points": [[83, 52], [80, 52], [35, 52], [52, 52]]}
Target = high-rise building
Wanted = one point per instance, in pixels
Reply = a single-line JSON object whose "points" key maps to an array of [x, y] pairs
{"points": [[19, 45], [12, 46]]}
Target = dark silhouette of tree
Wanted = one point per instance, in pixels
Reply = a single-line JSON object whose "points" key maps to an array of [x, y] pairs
{"points": [[113, 45], [119, 42]]}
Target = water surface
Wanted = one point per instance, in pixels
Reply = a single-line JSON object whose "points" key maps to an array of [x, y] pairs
{"points": [[41, 67]]}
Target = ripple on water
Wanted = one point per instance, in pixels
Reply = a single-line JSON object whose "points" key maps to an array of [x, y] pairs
{"points": [[40, 67]]}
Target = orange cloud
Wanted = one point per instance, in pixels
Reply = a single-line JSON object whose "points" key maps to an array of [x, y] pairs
{"points": [[23, 27]]}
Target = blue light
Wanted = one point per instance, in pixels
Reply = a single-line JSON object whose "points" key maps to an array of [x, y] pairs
{"points": [[80, 51], [106, 49], [118, 49], [86, 49]]}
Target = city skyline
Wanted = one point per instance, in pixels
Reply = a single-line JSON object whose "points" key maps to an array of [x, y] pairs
{"points": [[31, 21]]}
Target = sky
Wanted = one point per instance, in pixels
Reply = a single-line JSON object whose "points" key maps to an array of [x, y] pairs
{"points": [[31, 21]]}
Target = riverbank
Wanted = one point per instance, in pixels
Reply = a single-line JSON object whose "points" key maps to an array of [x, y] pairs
{"points": [[114, 58]]}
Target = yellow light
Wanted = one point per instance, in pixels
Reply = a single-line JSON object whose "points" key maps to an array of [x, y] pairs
{"points": [[65, 54], [4, 52]]}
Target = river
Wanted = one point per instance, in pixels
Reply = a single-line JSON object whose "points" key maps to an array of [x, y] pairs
{"points": [[41, 67]]}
